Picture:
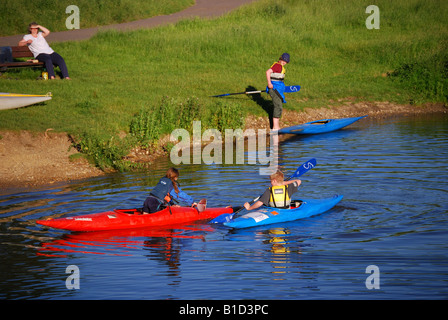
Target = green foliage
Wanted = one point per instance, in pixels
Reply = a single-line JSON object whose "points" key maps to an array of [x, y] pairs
{"points": [[105, 152], [151, 122], [146, 126], [427, 80], [227, 117]]}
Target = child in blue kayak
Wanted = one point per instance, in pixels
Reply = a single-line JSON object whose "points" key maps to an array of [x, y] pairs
{"points": [[275, 76], [163, 194], [278, 195]]}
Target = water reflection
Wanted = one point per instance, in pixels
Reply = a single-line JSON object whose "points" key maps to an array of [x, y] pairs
{"points": [[280, 251], [125, 242]]}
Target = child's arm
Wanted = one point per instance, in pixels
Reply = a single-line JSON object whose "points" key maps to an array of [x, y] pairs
{"points": [[292, 181], [268, 78], [256, 205], [262, 200], [182, 196]]}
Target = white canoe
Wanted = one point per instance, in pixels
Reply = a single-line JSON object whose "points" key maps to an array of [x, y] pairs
{"points": [[17, 100]]}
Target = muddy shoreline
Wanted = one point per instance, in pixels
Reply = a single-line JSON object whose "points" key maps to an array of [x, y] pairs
{"points": [[35, 160]]}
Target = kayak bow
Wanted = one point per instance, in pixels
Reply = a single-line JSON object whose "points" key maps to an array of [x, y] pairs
{"points": [[320, 126], [15, 100]]}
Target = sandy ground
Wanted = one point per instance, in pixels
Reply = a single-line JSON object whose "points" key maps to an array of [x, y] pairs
{"points": [[33, 159], [38, 159]]}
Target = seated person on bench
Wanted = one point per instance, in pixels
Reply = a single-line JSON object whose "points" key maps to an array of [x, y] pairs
{"points": [[37, 44]]}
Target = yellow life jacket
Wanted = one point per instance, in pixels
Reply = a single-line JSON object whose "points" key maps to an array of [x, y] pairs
{"points": [[279, 197], [278, 76]]}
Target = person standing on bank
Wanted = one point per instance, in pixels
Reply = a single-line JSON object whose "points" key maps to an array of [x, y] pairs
{"points": [[275, 76], [37, 44]]}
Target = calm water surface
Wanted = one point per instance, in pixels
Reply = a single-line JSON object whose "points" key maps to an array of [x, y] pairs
{"points": [[394, 215]]}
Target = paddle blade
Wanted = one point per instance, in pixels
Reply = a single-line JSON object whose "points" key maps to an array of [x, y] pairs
{"points": [[225, 217], [292, 88], [305, 167]]}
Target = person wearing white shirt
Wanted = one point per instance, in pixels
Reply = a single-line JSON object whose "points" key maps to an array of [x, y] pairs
{"points": [[37, 44]]}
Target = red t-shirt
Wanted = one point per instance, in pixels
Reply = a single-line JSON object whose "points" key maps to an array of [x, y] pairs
{"points": [[277, 68]]}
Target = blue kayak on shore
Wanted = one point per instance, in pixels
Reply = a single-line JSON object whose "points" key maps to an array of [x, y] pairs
{"points": [[320, 126], [300, 209]]}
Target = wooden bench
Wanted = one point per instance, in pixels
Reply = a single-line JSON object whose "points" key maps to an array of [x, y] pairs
{"points": [[19, 52]]}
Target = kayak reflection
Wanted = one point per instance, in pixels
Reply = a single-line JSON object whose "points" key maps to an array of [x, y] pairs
{"points": [[127, 242]]}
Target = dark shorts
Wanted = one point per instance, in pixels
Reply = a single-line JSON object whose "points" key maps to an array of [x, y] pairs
{"points": [[152, 204]]}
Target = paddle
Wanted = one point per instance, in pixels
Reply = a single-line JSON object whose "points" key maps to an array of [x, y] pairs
{"points": [[305, 167], [288, 89], [231, 94]]}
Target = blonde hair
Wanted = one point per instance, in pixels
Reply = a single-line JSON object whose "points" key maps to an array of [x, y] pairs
{"points": [[278, 176]]}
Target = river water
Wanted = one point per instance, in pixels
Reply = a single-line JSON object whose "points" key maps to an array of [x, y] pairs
{"points": [[393, 218]]}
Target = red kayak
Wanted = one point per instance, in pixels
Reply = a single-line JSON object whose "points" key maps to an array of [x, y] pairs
{"points": [[133, 218]]}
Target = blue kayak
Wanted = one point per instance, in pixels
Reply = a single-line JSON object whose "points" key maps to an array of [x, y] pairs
{"points": [[268, 215], [320, 126]]}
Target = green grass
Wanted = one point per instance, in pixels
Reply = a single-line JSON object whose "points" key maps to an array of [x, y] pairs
{"points": [[15, 15], [124, 81]]}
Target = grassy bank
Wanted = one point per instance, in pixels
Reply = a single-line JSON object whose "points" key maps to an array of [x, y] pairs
{"points": [[15, 15], [142, 84]]}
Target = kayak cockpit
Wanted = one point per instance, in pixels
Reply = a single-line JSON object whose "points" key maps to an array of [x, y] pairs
{"points": [[129, 211]]}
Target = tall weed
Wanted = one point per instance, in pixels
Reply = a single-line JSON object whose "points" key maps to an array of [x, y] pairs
{"points": [[105, 153], [426, 80], [227, 116]]}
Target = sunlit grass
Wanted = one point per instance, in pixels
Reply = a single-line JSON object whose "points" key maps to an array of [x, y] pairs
{"points": [[116, 75]]}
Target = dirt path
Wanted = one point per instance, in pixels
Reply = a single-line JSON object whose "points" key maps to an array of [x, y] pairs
{"points": [[202, 8]]}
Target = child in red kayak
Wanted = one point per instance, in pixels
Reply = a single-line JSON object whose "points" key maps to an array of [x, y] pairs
{"points": [[164, 192], [275, 76], [278, 195]]}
